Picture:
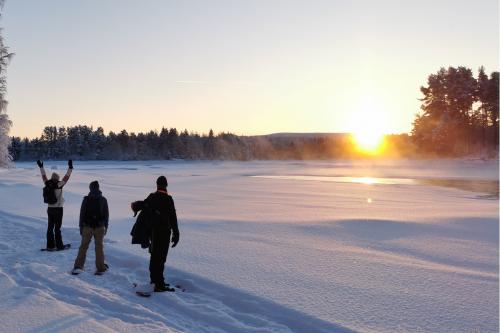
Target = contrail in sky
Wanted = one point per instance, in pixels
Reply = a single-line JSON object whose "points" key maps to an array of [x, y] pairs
{"points": [[242, 83]]}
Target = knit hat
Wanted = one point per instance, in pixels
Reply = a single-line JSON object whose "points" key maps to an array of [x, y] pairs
{"points": [[162, 181], [94, 185], [54, 176]]}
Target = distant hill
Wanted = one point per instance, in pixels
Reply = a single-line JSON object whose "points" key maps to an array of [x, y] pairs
{"points": [[306, 135]]}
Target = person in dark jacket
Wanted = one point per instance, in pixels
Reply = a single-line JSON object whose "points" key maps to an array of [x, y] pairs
{"points": [[163, 220], [94, 216]]}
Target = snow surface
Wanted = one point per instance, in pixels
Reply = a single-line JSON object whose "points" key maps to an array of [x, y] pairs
{"points": [[288, 251]]}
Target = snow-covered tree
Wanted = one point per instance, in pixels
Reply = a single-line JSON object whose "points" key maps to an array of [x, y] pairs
{"points": [[5, 122]]}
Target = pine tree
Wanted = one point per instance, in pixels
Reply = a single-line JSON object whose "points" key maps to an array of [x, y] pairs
{"points": [[491, 104], [445, 125], [482, 88], [5, 122]]}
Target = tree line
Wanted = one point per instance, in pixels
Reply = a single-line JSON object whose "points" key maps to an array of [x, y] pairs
{"points": [[86, 143], [459, 113]]}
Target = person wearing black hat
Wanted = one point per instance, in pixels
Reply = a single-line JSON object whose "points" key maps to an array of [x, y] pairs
{"points": [[94, 216], [164, 225]]}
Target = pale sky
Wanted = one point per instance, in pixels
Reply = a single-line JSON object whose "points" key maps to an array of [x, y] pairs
{"points": [[248, 67]]}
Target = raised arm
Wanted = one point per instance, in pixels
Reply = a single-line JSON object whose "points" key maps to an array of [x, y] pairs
{"points": [[42, 171], [67, 175]]}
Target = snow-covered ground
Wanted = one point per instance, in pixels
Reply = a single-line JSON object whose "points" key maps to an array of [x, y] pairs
{"points": [[326, 246]]}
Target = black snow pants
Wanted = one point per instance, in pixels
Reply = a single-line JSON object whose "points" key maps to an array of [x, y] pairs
{"points": [[159, 250], [55, 215]]}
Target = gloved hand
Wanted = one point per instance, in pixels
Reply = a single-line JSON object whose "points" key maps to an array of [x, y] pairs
{"points": [[175, 239], [39, 163], [81, 231], [105, 231], [70, 164]]}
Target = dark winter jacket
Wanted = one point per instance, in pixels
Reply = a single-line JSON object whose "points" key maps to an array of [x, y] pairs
{"points": [[141, 231], [103, 206], [157, 216], [163, 206]]}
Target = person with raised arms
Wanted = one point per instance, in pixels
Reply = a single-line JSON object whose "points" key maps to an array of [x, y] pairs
{"points": [[53, 197]]}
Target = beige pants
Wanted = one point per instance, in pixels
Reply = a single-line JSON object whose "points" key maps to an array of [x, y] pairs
{"points": [[87, 234]]}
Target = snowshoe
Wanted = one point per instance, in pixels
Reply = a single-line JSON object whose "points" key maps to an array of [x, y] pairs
{"points": [[143, 290], [159, 288], [65, 247]]}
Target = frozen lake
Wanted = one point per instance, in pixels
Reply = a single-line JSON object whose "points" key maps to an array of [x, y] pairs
{"points": [[384, 246]]}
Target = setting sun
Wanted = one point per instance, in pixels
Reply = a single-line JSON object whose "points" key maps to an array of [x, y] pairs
{"points": [[369, 125], [370, 142]]}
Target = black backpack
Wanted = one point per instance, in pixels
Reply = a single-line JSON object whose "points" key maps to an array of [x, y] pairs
{"points": [[93, 215], [49, 192]]}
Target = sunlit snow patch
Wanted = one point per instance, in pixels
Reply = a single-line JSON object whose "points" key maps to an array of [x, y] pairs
{"points": [[342, 179], [489, 187]]}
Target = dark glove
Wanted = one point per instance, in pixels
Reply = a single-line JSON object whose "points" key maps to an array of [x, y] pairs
{"points": [[175, 239], [70, 164], [39, 163], [81, 231]]}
